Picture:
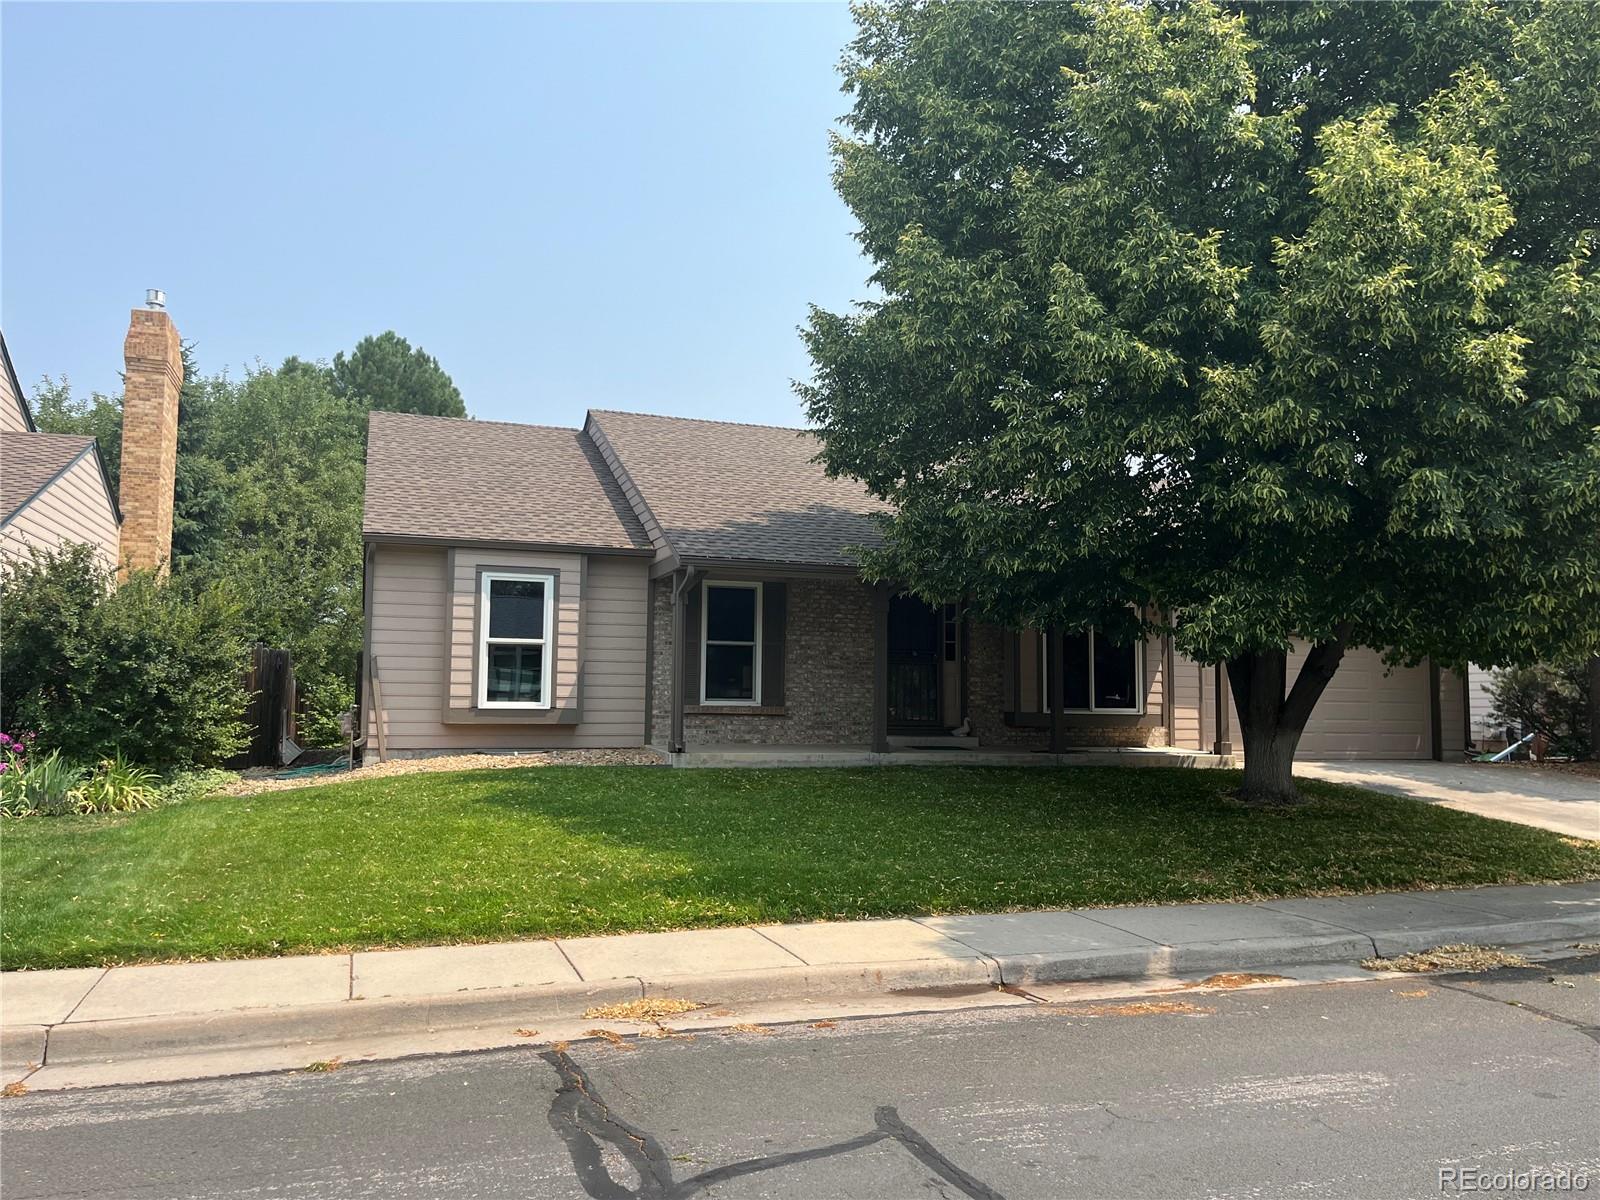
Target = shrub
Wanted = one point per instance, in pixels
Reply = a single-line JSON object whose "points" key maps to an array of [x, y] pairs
{"points": [[1550, 698], [142, 670], [44, 784], [116, 785], [184, 786], [326, 701]]}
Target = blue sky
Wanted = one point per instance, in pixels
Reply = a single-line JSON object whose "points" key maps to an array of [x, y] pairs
{"points": [[601, 205]]}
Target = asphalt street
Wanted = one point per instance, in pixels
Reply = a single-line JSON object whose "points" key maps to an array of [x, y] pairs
{"points": [[1359, 1089]]}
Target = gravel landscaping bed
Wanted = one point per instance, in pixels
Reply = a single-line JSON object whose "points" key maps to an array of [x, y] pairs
{"points": [[258, 780]]}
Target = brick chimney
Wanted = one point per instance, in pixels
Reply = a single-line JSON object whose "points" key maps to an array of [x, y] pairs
{"points": [[154, 358]]}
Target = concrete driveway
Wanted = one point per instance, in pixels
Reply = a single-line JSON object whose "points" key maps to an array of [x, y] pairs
{"points": [[1563, 801]]}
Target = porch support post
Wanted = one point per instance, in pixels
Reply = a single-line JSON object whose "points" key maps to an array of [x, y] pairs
{"points": [[680, 633], [880, 669], [1169, 688], [1054, 662], [1224, 742], [1435, 716]]}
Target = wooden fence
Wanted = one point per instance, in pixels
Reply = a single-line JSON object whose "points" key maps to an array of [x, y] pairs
{"points": [[270, 713]]}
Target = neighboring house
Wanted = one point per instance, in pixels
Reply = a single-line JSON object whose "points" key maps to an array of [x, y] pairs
{"points": [[689, 584], [1485, 733], [54, 489], [53, 486]]}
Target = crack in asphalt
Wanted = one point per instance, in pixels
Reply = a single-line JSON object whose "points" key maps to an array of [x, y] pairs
{"points": [[1591, 1032], [586, 1124]]}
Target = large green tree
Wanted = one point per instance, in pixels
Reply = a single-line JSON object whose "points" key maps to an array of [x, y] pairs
{"points": [[1279, 321], [385, 373]]}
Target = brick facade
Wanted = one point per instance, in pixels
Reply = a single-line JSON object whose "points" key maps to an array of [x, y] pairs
{"points": [[986, 667], [828, 682], [986, 692], [154, 357], [827, 673]]}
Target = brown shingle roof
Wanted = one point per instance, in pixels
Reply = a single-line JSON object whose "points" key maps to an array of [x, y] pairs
{"points": [[491, 481], [748, 492], [28, 461]]}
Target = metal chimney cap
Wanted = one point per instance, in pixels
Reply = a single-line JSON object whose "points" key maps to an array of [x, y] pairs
{"points": [[155, 298]]}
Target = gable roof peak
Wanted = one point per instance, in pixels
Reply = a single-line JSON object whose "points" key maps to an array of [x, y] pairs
{"points": [[624, 412]]}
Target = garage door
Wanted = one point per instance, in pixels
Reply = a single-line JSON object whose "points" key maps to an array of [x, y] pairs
{"points": [[1366, 713]]}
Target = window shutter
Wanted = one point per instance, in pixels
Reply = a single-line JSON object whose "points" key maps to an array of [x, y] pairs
{"points": [[774, 621], [691, 645]]}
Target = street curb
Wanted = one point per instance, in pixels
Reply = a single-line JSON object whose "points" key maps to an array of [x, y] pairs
{"points": [[838, 980], [1510, 933], [74, 1043], [21, 1046], [78, 1043]]}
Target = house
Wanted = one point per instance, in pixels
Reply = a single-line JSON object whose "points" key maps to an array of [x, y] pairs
{"points": [[54, 488], [689, 585]]}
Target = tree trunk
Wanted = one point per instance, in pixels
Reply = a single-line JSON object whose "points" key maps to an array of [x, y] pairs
{"points": [[1270, 724]]}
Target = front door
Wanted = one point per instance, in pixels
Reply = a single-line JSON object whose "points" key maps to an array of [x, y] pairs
{"points": [[915, 632]]}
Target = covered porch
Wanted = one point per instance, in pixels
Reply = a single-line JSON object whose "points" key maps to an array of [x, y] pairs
{"points": [[756, 664], [737, 754]]}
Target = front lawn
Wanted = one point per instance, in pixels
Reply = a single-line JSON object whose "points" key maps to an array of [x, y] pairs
{"points": [[489, 855]]}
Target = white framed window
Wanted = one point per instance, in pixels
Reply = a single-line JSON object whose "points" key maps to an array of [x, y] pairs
{"points": [[514, 621], [730, 643], [1100, 676]]}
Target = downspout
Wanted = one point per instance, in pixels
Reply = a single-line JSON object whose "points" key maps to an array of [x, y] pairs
{"points": [[680, 633], [1435, 716]]}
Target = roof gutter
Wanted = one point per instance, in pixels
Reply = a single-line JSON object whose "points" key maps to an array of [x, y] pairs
{"points": [[765, 568], [405, 539]]}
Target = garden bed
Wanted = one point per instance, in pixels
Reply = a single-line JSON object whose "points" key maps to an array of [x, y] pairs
{"points": [[265, 779]]}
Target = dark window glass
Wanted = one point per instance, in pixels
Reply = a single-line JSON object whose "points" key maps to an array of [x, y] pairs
{"points": [[516, 608], [1114, 674], [730, 614], [1075, 676], [730, 672], [516, 673]]}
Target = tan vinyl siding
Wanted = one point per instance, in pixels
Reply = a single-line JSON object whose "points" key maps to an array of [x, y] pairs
{"points": [[1479, 680], [11, 414], [1155, 677], [73, 508], [460, 620], [1188, 679], [419, 663]]}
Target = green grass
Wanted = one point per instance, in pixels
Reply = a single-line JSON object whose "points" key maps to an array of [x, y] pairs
{"points": [[486, 855]]}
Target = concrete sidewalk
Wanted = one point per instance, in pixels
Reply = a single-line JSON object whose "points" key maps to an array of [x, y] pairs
{"points": [[100, 1016]]}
